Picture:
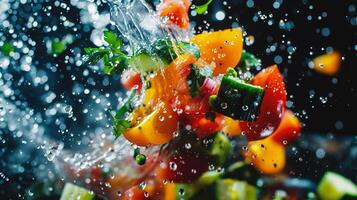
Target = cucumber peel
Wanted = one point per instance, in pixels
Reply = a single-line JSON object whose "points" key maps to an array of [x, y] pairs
{"points": [[237, 99], [334, 186], [231, 189], [72, 191]]}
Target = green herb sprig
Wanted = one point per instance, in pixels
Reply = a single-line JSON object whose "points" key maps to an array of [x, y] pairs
{"points": [[115, 60], [120, 124]]}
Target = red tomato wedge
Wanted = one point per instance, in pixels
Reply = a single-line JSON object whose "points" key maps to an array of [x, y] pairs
{"points": [[289, 128], [176, 12], [130, 78], [273, 104]]}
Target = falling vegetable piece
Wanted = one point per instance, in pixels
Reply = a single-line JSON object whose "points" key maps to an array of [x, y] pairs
{"points": [[155, 128], [203, 8], [71, 192], [288, 130], [231, 127], [266, 155], [231, 189], [272, 107], [223, 48], [328, 64], [334, 186], [176, 12], [238, 100]]}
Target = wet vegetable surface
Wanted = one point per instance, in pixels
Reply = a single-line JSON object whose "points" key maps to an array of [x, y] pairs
{"points": [[52, 106]]}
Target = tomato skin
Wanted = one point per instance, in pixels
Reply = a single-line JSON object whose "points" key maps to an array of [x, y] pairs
{"points": [[204, 127], [182, 167], [134, 193], [289, 128], [176, 12], [273, 104], [130, 78], [266, 155]]}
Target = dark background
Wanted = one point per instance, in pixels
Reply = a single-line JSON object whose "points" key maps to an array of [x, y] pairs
{"points": [[319, 118]]}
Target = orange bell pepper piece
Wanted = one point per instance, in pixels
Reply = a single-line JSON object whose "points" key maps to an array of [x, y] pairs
{"points": [[328, 64], [223, 48]]}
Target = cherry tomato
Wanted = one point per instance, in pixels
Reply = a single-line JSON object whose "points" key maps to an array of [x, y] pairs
{"points": [[175, 11], [273, 104], [130, 78], [182, 167], [266, 155], [289, 128]]}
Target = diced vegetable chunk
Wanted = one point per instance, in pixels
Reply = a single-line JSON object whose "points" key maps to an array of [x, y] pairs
{"points": [[230, 189], [238, 100], [71, 192], [334, 186]]}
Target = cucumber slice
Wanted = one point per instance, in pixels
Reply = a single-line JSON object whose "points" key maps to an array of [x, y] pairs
{"points": [[144, 62], [333, 186], [160, 54], [230, 189], [208, 178], [221, 148], [238, 100], [71, 192], [242, 171]]}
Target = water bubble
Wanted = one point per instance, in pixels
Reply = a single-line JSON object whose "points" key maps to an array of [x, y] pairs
{"points": [[173, 166], [188, 146], [224, 105], [245, 108], [181, 192]]}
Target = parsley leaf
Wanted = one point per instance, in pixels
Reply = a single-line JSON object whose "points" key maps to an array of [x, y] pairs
{"points": [[203, 8], [196, 77], [113, 58], [249, 60], [120, 124]]}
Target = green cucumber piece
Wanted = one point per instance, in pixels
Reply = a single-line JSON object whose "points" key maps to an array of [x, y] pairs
{"points": [[242, 171], [208, 178], [185, 191], [72, 191], [238, 100], [190, 48], [231, 189], [142, 61], [160, 54], [220, 148], [334, 186]]}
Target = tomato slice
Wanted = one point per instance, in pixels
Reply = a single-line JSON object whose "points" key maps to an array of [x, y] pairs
{"points": [[288, 130], [176, 12], [130, 78], [273, 104]]}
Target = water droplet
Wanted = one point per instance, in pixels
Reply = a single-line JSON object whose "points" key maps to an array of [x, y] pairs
{"points": [[245, 108], [224, 105], [173, 166], [188, 146], [181, 192]]}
